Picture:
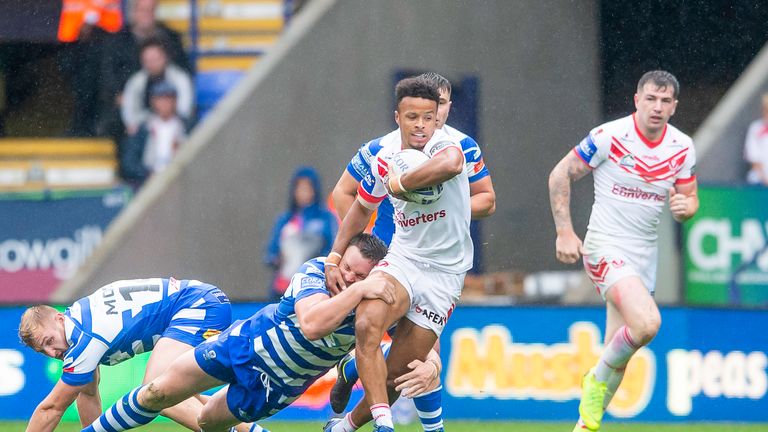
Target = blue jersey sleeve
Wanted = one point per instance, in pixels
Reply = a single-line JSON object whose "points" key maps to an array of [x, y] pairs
{"points": [[359, 168], [476, 168], [82, 359]]}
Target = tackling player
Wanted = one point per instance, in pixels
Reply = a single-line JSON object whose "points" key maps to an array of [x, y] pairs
{"points": [[271, 358], [118, 321], [637, 162], [423, 382], [428, 258]]}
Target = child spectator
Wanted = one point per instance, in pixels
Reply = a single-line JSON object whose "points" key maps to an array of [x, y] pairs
{"points": [[156, 141]]}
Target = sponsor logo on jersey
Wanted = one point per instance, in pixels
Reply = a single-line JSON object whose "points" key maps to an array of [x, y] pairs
{"points": [[431, 316], [437, 147], [627, 161], [361, 168], [210, 333], [617, 263], [586, 148], [651, 157], [636, 193], [418, 218], [479, 165], [312, 282], [209, 354]]}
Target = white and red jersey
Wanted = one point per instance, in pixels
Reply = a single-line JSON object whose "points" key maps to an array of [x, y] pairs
{"points": [[632, 177], [756, 150], [436, 234]]}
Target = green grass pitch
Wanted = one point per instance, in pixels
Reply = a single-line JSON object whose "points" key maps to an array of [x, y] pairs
{"points": [[456, 426]]}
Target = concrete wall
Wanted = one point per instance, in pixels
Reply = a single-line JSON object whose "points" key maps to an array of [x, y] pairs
{"points": [[325, 89], [720, 139]]}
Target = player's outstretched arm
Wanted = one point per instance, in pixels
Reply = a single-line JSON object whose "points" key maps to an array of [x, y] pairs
{"points": [[354, 223], [423, 377], [568, 170], [344, 193], [48, 413], [320, 315], [482, 198], [89, 401]]}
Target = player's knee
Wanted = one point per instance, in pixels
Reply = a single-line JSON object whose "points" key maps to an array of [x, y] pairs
{"points": [[204, 421], [369, 331], [647, 330], [154, 397]]}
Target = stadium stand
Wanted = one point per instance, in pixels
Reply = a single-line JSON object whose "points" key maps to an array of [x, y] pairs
{"points": [[48, 163], [224, 38]]}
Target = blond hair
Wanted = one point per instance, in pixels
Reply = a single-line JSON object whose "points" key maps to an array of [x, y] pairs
{"points": [[31, 320]]}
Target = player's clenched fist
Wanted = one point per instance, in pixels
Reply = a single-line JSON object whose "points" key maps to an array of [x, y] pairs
{"points": [[568, 247], [678, 205]]}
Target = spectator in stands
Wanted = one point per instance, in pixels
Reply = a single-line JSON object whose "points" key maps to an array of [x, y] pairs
{"points": [[81, 62], [121, 59], [756, 148], [135, 107], [152, 148], [306, 230]]}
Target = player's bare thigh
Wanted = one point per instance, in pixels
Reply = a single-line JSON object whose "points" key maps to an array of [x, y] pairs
{"points": [[181, 380], [216, 415], [629, 303], [377, 314], [165, 352], [409, 343]]}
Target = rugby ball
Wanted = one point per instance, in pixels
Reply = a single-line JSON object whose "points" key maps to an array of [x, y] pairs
{"points": [[406, 160]]}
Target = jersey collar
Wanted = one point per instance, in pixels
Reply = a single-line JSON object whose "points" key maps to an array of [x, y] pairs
{"points": [[649, 143]]}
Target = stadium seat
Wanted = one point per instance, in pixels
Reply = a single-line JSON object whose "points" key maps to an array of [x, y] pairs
{"points": [[212, 86], [44, 163], [227, 39]]}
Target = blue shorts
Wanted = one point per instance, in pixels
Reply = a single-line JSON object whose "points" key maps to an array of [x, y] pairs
{"points": [[202, 313], [251, 396]]}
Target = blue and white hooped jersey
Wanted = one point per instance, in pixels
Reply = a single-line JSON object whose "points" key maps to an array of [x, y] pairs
{"points": [[127, 317], [360, 169], [281, 350]]}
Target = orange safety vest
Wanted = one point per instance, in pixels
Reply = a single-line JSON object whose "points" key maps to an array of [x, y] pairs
{"points": [[74, 13]]}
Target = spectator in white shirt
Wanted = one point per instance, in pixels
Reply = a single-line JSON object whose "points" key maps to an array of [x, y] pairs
{"points": [[156, 141], [135, 108], [756, 148]]}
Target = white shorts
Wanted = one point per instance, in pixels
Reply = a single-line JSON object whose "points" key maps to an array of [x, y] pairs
{"points": [[607, 262], [434, 293]]}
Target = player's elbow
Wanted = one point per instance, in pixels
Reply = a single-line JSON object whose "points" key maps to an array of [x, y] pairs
{"points": [[491, 208], [312, 333], [312, 330], [454, 166]]}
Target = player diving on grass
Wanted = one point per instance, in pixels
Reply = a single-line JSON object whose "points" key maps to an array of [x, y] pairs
{"points": [[119, 320], [422, 383], [268, 360]]}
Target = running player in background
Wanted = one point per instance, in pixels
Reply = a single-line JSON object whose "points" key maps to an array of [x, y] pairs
{"points": [[638, 162], [423, 382], [269, 359], [428, 258], [118, 321]]}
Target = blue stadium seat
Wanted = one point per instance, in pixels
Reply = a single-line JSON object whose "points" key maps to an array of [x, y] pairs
{"points": [[211, 86]]}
